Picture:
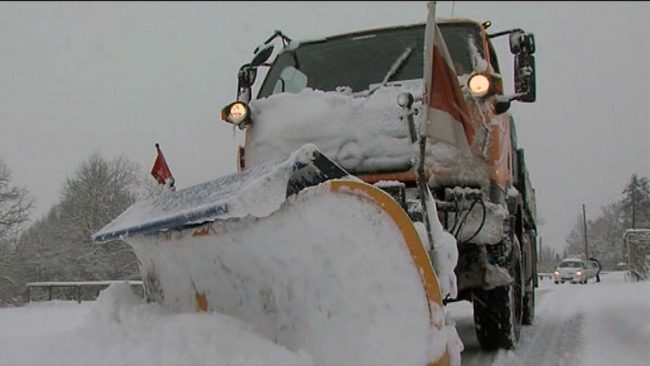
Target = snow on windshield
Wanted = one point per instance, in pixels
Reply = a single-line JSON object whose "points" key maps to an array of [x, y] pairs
{"points": [[355, 132]]}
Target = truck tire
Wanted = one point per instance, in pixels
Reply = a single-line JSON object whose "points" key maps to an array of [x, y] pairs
{"points": [[528, 316], [529, 268], [498, 312]]}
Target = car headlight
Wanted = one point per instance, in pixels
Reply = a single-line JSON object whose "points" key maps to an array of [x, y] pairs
{"points": [[578, 273], [557, 273], [237, 113]]}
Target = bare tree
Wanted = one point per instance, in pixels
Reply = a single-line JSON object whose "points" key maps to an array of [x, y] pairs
{"points": [[57, 247], [15, 206]]}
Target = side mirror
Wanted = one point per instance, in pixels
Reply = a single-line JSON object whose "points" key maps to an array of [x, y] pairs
{"points": [[515, 41], [525, 77], [248, 72], [522, 42], [245, 79]]}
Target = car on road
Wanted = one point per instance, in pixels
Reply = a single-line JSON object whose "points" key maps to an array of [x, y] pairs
{"points": [[574, 270]]}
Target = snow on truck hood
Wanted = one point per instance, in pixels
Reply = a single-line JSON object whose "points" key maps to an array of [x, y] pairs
{"points": [[364, 134]]}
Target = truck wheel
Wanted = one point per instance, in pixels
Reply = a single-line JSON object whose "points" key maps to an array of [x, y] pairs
{"points": [[498, 313], [528, 308]]}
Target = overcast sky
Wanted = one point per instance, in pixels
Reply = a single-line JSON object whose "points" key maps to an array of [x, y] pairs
{"points": [[117, 77]]}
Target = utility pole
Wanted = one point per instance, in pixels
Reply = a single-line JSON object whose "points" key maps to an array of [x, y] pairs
{"points": [[633, 202], [584, 220]]}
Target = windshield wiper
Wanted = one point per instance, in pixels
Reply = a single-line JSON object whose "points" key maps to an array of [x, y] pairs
{"points": [[395, 67]]}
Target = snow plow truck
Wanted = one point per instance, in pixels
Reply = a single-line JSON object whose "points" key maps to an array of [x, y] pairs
{"points": [[348, 228]]}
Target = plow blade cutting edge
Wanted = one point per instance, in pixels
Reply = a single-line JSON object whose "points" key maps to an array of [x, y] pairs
{"points": [[311, 258]]}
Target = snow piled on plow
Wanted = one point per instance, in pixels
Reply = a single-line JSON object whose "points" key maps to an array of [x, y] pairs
{"points": [[330, 275], [327, 271]]}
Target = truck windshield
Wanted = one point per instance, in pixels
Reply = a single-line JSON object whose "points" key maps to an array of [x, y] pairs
{"points": [[361, 60]]}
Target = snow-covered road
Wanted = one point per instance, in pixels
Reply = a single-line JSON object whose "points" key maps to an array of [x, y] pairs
{"points": [[606, 323]]}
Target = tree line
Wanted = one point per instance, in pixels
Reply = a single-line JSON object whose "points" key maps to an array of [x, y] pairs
{"points": [[57, 246], [605, 232]]}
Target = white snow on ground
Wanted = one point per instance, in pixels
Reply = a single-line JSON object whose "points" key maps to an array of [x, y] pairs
{"points": [[119, 329], [606, 323]]}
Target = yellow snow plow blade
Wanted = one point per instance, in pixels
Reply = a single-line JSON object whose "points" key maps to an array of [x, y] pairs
{"points": [[337, 271]]}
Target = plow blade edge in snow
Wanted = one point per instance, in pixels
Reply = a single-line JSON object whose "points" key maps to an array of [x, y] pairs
{"points": [[311, 258]]}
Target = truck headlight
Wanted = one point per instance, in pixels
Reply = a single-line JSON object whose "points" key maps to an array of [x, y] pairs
{"points": [[479, 85], [557, 273], [483, 85], [237, 113]]}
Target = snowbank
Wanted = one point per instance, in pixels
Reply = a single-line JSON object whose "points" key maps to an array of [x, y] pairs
{"points": [[119, 329]]}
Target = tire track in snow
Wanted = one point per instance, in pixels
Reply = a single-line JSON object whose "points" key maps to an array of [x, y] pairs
{"points": [[554, 339], [551, 343]]}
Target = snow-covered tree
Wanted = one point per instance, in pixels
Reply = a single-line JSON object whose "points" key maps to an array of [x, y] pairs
{"points": [[636, 202], [604, 236], [99, 191]]}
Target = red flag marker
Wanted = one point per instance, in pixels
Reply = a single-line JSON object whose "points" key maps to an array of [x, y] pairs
{"points": [[447, 117], [160, 170]]}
